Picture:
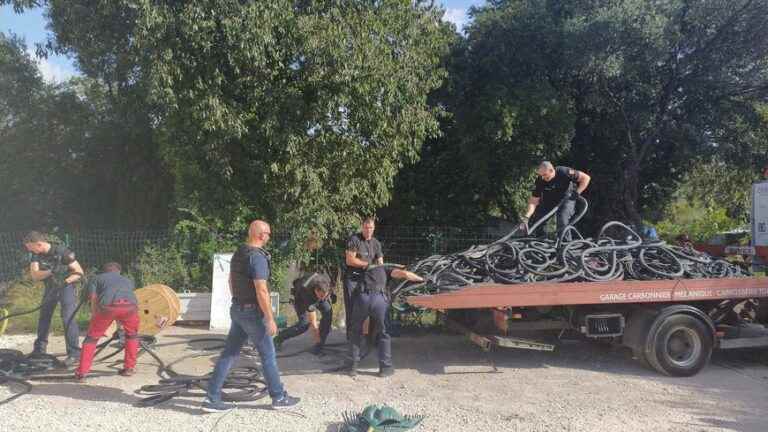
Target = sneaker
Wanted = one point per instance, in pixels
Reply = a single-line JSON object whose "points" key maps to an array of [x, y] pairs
{"points": [[71, 361], [285, 401], [386, 372], [127, 372], [218, 406]]}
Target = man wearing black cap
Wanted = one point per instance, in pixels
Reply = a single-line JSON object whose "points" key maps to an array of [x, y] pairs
{"points": [[311, 293], [372, 301]]}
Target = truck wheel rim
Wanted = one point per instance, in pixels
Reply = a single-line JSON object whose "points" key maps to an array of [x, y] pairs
{"points": [[683, 347]]}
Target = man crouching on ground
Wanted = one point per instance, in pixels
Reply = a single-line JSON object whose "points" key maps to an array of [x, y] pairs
{"points": [[112, 299], [310, 294]]}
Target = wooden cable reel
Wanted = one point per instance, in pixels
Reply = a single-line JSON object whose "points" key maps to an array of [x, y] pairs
{"points": [[159, 307]]}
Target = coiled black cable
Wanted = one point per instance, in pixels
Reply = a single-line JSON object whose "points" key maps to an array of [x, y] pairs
{"points": [[16, 368], [617, 253]]}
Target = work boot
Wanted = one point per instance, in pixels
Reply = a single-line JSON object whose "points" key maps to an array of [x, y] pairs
{"points": [[386, 371], [351, 369], [127, 372], [38, 352], [79, 378]]}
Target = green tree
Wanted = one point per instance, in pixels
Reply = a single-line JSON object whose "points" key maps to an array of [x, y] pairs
{"points": [[123, 151], [714, 197], [301, 113], [42, 127], [633, 92], [505, 115]]}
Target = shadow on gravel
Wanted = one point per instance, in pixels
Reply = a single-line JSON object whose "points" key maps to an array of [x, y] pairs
{"points": [[334, 427], [84, 392], [736, 386], [445, 354]]}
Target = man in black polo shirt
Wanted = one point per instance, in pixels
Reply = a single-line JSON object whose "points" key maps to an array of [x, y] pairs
{"points": [[310, 294], [372, 302], [57, 266], [555, 185], [362, 250]]}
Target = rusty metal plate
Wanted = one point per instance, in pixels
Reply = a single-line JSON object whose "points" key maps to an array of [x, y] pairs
{"points": [[613, 292]]}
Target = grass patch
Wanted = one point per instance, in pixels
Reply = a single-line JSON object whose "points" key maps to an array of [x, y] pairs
{"points": [[25, 295]]}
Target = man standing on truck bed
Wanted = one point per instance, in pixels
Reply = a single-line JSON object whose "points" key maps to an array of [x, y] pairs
{"points": [[555, 185]]}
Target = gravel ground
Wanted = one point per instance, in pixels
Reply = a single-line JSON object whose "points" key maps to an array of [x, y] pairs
{"points": [[579, 387]]}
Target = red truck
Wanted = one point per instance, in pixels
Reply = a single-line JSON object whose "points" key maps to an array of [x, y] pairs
{"points": [[670, 325]]}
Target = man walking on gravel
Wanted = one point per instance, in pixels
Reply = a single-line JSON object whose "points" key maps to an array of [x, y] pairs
{"points": [[252, 318]]}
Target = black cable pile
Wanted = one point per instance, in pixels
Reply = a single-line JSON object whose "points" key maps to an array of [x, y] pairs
{"points": [[618, 253], [16, 368], [241, 384]]}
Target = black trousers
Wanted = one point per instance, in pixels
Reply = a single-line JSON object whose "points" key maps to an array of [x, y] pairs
{"points": [[302, 326], [375, 307], [350, 289], [65, 296], [563, 216]]}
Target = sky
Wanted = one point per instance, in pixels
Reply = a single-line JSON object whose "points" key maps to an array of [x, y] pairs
{"points": [[31, 27]]}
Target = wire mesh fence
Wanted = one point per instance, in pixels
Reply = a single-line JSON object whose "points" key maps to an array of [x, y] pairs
{"points": [[401, 244], [406, 244]]}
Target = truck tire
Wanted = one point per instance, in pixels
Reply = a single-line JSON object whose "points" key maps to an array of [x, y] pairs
{"points": [[681, 346]]}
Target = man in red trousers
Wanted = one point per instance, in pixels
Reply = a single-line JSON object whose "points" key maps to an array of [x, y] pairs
{"points": [[112, 299]]}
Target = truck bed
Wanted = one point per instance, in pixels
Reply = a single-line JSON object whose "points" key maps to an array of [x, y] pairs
{"points": [[492, 295]]}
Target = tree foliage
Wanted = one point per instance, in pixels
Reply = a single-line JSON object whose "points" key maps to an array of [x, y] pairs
{"points": [[310, 113], [301, 113], [633, 92], [714, 197], [41, 131]]}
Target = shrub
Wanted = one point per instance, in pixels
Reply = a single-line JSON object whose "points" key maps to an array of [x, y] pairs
{"points": [[164, 265]]}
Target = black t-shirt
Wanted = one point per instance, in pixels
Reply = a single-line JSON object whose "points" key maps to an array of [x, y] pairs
{"points": [[552, 192], [366, 250], [375, 279], [110, 287], [58, 255], [304, 292]]}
